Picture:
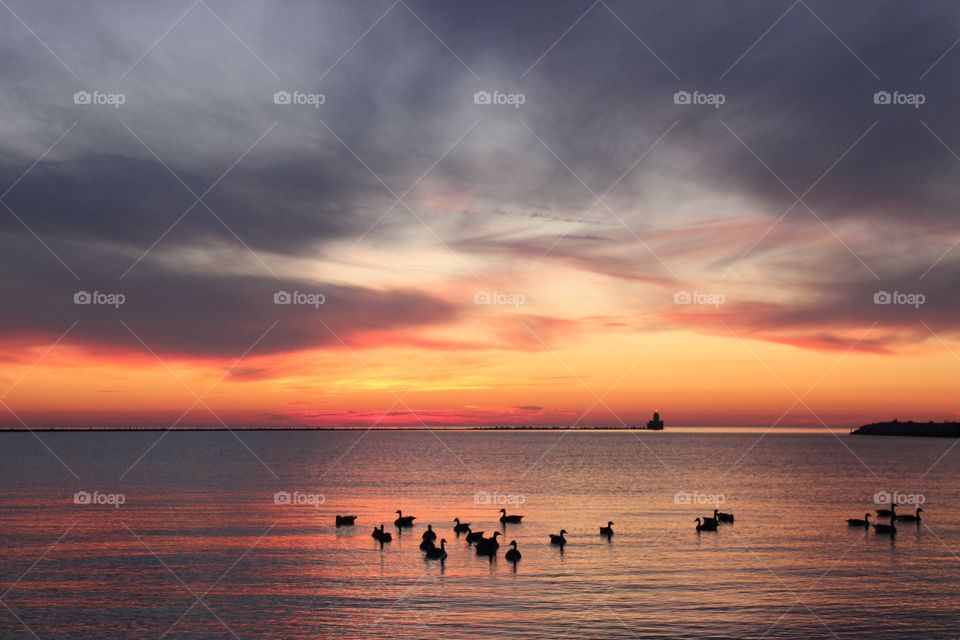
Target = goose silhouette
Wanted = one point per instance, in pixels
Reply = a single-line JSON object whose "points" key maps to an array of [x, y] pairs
{"points": [[504, 518], [402, 520], [707, 524], [857, 522], [438, 553], [722, 517], [889, 529], [346, 521], [429, 534], [910, 518], [474, 536], [512, 555], [558, 538], [382, 536], [888, 513], [607, 530], [488, 546], [460, 527]]}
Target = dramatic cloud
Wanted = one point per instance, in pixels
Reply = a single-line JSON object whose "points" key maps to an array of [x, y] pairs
{"points": [[186, 313], [246, 148]]}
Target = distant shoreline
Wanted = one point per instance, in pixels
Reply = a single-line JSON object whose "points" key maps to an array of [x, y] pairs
{"points": [[523, 428], [910, 429]]}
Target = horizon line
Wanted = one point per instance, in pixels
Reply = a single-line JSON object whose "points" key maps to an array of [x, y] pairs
{"points": [[21, 429]]}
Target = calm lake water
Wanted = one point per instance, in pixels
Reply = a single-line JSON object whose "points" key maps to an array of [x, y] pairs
{"points": [[200, 548]]}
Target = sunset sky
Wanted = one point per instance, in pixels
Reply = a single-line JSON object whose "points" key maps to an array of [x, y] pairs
{"points": [[595, 253]]}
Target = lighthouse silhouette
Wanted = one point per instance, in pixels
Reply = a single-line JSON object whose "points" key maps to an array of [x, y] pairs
{"points": [[656, 422]]}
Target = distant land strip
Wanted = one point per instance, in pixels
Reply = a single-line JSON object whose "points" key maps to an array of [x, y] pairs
{"points": [[910, 428]]}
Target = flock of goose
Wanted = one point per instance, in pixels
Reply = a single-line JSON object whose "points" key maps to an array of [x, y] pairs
{"points": [[484, 546], [887, 529], [489, 546]]}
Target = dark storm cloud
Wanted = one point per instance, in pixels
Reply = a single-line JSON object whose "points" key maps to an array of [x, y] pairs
{"points": [[281, 208], [195, 313], [844, 313], [599, 98]]}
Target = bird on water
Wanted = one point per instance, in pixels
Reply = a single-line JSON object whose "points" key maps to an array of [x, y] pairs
{"points": [[402, 520]]}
